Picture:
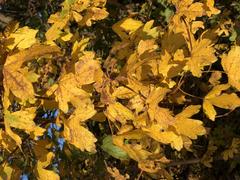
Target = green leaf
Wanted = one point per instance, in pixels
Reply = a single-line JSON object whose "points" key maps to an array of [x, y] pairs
{"points": [[233, 36], [113, 150]]}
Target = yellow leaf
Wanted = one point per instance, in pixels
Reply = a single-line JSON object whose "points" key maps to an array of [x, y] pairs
{"points": [[67, 37], [157, 132], [88, 70], [117, 112], [189, 127], [226, 101], [149, 31], [156, 95], [148, 45], [189, 11], [179, 55], [217, 98], [9, 173], [211, 10], [123, 93], [230, 63], [209, 110], [84, 110], [215, 78], [30, 75], [81, 5], [125, 26], [137, 103], [59, 22], [163, 116], [6, 142], [216, 91], [24, 119], [78, 47], [15, 61], [196, 25], [13, 135], [135, 151], [189, 111], [67, 90], [23, 38], [79, 136], [193, 11], [42, 173], [19, 85], [14, 80], [93, 14], [77, 16], [202, 55], [187, 143]]}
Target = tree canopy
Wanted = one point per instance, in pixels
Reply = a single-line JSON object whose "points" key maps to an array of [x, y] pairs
{"points": [[119, 89]]}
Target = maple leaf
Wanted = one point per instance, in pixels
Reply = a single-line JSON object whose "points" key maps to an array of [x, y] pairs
{"points": [[117, 112], [93, 14], [162, 116], [6, 142], [42, 163], [157, 132], [78, 48], [202, 54], [88, 70], [13, 135], [230, 63], [189, 127], [156, 95], [210, 9], [148, 45], [217, 98], [215, 78], [19, 85], [24, 120], [190, 10], [14, 80], [23, 38], [79, 136], [84, 109], [134, 90], [66, 90], [161, 130], [135, 151], [59, 22], [123, 93], [84, 12], [7, 172], [149, 31], [126, 26]]}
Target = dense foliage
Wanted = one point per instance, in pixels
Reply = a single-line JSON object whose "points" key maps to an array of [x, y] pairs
{"points": [[119, 89]]}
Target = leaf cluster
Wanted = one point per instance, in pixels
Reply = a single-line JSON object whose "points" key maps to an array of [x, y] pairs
{"points": [[154, 97]]}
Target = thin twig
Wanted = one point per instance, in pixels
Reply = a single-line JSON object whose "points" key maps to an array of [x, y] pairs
{"points": [[185, 162], [226, 114], [140, 174], [189, 34], [189, 94]]}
